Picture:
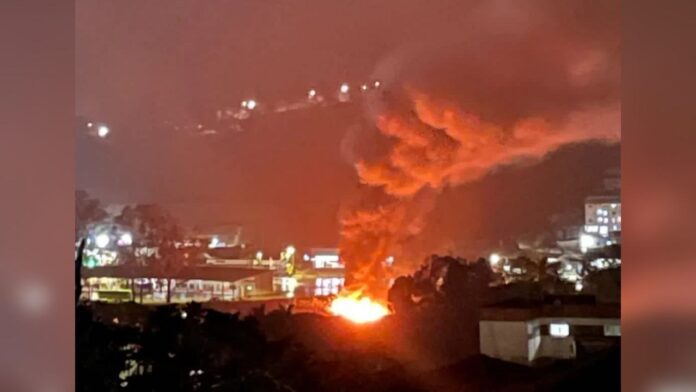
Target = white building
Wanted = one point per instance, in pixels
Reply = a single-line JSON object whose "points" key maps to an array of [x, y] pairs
{"points": [[603, 215], [527, 334], [602, 222], [324, 258]]}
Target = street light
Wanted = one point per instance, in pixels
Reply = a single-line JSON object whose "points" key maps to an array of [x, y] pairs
{"points": [[290, 251], [103, 131], [251, 104], [344, 88], [494, 259], [311, 93], [102, 240], [126, 239], [259, 255]]}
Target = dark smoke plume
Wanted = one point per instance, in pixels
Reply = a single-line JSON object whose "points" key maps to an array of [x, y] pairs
{"points": [[456, 112]]}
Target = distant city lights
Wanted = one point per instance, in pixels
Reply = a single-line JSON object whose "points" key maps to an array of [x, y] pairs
{"points": [[312, 93], [251, 104], [259, 255], [344, 88], [494, 259], [377, 83], [363, 87]]}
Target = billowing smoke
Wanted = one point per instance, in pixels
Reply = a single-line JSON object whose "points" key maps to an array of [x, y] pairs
{"points": [[466, 108]]}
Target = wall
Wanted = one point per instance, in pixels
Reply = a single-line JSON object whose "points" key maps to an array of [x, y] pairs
{"points": [[507, 340]]}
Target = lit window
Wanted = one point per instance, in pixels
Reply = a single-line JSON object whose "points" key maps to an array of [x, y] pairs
{"points": [[612, 330], [603, 230], [559, 330], [591, 228]]}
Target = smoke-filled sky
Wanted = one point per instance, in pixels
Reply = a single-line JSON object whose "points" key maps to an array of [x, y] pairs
{"points": [[140, 63]]}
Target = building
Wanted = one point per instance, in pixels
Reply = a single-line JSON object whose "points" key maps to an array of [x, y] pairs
{"points": [[603, 215], [529, 333], [324, 258], [191, 283], [602, 222]]}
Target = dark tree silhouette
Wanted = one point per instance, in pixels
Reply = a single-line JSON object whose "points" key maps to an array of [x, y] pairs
{"points": [[154, 228], [88, 211], [78, 270]]}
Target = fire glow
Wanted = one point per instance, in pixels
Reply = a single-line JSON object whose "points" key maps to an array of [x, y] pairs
{"points": [[359, 310]]}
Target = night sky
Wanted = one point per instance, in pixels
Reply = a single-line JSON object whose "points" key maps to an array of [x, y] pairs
{"points": [[143, 63]]}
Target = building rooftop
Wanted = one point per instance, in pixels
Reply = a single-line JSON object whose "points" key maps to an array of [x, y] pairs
{"points": [[603, 199], [202, 272], [576, 306]]}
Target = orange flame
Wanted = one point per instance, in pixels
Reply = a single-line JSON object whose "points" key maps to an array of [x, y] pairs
{"points": [[358, 309]]}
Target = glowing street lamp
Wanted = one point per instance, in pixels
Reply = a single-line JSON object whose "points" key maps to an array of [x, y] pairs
{"points": [[377, 83], [251, 104], [290, 251], [311, 94], [102, 240], [363, 87], [344, 88], [126, 239], [259, 255], [494, 259], [103, 131]]}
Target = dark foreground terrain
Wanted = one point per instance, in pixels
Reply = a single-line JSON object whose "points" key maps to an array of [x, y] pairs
{"points": [[131, 347]]}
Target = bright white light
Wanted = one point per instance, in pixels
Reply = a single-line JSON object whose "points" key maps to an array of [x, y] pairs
{"points": [[326, 258], [390, 260], [244, 104], [312, 93], [102, 240], [251, 104], [289, 251], [90, 124], [578, 286], [305, 257], [103, 131], [259, 255], [345, 88], [559, 330], [377, 84], [586, 242], [494, 259], [214, 242], [126, 239], [363, 87]]}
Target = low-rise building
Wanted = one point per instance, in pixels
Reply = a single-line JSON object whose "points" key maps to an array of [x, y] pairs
{"points": [[527, 333]]}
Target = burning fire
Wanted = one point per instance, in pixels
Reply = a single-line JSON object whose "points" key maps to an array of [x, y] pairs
{"points": [[359, 310]]}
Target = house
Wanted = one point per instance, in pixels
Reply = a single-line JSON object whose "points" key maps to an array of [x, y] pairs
{"points": [[559, 327]]}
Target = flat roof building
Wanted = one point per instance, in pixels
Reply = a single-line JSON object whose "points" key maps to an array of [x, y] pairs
{"points": [[527, 333]]}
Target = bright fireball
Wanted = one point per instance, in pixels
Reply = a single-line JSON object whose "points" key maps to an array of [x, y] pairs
{"points": [[358, 310]]}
